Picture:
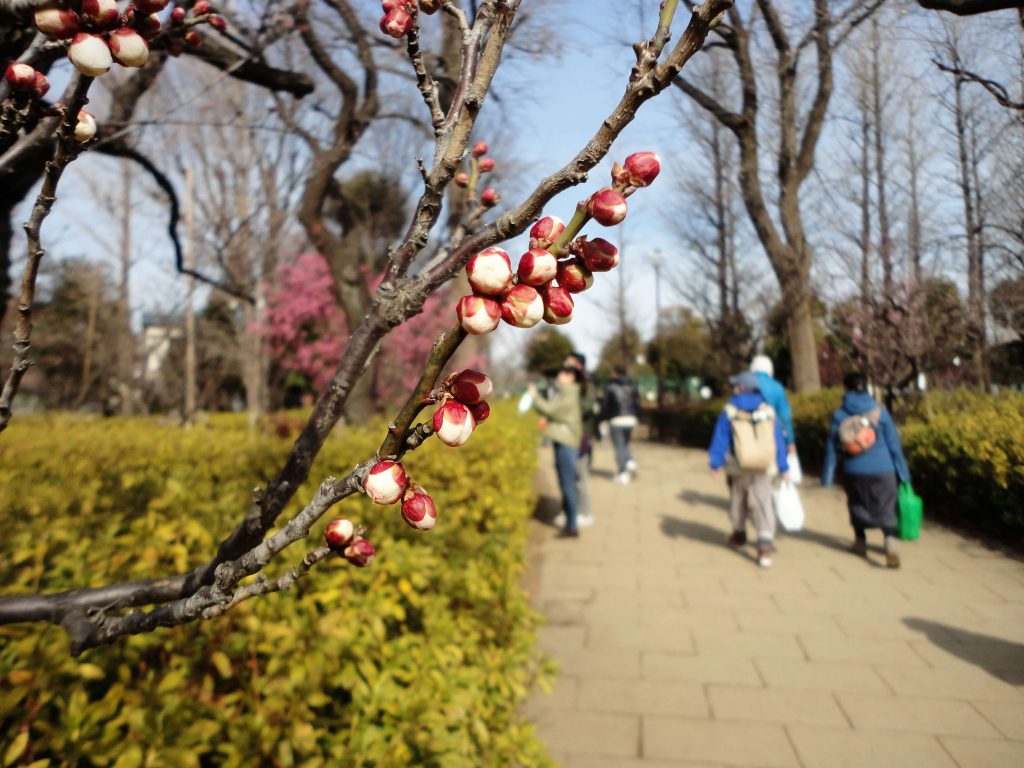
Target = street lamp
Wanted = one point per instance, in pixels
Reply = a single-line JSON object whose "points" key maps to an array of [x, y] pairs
{"points": [[656, 261]]}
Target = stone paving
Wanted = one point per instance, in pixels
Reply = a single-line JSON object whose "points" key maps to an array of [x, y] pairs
{"points": [[677, 651]]}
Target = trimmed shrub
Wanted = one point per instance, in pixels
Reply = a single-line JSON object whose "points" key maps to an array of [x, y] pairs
{"points": [[420, 659]]}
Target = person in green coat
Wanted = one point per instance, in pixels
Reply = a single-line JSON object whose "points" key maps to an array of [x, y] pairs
{"points": [[588, 413], [565, 430]]}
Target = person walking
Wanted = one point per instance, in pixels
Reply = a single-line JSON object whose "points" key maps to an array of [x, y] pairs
{"points": [[749, 444], [775, 395], [588, 416], [864, 443], [564, 429], [621, 409]]}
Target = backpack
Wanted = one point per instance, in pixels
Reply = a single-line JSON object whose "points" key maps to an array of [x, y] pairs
{"points": [[753, 437], [859, 432]]}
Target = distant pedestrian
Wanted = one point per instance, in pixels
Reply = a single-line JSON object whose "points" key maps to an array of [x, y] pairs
{"points": [[621, 409], [588, 416], [564, 429], [775, 395], [863, 440], [748, 443]]}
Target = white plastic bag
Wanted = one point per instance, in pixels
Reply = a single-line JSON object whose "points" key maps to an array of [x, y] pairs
{"points": [[796, 472], [788, 508], [525, 402]]}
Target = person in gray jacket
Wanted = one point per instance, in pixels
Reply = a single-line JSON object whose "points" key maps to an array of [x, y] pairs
{"points": [[621, 409]]}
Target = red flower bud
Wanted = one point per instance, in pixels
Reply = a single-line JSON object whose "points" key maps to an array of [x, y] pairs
{"points": [[489, 197], [478, 314], [396, 23], [201, 8], [89, 54], [178, 16], [643, 168], [218, 22], [148, 26], [461, 179], [471, 386], [22, 77], [574, 276], [194, 38], [57, 22], [430, 6], [546, 231], [599, 255], [453, 423], [480, 149], [558, 305], [607, 207], [490, 271], [522, 306], [486, 164], [85, 128], [418, 508], [128, 47], [360, 553], [152, 6], [480, 411], [339, 533], [385, 482], [40, 85], [102, 14], [537, 267]]}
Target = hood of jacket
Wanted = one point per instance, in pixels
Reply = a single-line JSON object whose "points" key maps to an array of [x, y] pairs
{"points": [[747, 401], [858, 402]]}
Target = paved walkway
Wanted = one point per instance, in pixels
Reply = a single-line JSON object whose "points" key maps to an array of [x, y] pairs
{"points": [[676, 651]]}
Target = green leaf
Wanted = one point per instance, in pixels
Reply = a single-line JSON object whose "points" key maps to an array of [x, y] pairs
{"points": [[16, 748]]}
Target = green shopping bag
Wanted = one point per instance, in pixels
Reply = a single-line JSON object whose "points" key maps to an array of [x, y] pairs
{"points": [[911, 510]]}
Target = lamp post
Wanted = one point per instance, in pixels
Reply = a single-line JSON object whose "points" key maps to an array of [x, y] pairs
{"points": [[656, 261]]}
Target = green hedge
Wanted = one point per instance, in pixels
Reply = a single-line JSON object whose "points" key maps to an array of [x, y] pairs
{"points": [[965, 450], [419, 660]]}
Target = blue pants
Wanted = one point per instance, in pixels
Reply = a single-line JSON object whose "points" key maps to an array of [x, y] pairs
{"points": [[620, 441], [565, 466]]}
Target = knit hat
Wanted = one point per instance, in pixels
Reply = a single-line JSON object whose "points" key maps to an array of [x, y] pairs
{"points": [[762, 364]]}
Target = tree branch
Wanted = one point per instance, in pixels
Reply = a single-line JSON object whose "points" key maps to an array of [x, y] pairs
{"points": [[969, 7]]}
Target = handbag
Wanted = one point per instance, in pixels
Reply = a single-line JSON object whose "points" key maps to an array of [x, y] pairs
{"points": [[911, 512], [789, 510]]}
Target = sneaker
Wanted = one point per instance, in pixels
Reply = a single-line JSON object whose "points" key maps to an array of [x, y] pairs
{"points": [[567, 533], [892, 561], [559, 520], [622, 478], [860, 547], [585, 521], [764, 557], [631, 466], [737, 539]]}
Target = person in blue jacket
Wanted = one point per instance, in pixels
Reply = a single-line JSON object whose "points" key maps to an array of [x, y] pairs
{"points": [[869, 478], [750, 490], [775, 395]]}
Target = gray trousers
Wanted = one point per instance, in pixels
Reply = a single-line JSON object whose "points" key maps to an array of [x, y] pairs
{"points": [[751, 496]]}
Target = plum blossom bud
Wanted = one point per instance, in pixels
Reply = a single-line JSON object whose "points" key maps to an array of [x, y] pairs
{"points": [[178, 16], [430, 6], [558, 305], [537, 267], [574, 276], [546, 231], [418, 508], [22, 77], [339, 533], [201, 8], [89, 54], [490, 271], [607, 207], [471, 386], [85, 128], [152, 6], [218, 22], [453, 423], [478, 314], [486, 164], [57, 22], [599, 255], [102, 14], [489, 197], [148, 26], [643, 168], [480, 149], [360, 553], [480, 411], [396, 22], [128, 47], [522, 307], [193, 38], [40, 85], [386, 482], [461, 179]]}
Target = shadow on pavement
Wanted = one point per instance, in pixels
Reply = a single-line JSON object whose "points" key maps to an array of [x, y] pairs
{"points": [[696, 497], [675, 527], [1000, 658]]}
